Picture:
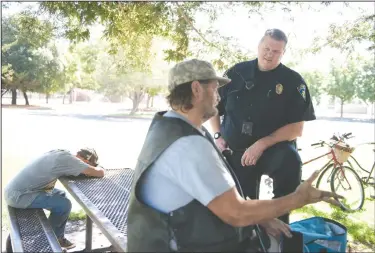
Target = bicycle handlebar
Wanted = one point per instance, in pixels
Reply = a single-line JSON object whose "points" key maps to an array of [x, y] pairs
{"points": [[346, 135], [335, 138], [318, 144], [342, 137]]}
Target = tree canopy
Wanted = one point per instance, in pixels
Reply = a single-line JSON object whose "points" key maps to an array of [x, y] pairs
{"points": [[22, 36], [134, 24]]}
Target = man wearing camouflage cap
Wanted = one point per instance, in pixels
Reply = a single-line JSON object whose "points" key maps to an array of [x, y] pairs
{"points": [[34, 185], [184, 196]]}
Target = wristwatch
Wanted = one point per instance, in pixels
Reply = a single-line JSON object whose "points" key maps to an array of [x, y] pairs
{"points": [[217, 135]]}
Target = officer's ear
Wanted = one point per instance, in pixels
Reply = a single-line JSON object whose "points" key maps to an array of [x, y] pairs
{"points": [[284, 51]]}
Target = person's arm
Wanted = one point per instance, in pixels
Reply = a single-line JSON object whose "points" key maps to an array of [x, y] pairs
{"points": [[209, 182], [93, 171], [286, 133], [70, 165], [234, 210], [215, 123], [215, 120]]}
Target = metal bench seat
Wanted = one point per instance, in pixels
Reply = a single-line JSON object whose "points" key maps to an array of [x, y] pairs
{"points": [[30, 231]]}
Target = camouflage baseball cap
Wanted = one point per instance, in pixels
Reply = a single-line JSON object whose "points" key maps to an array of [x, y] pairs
{"points": [[193, 70]]}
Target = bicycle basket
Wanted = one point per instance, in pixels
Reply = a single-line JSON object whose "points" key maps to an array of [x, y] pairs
{"points": [[342, 152]]}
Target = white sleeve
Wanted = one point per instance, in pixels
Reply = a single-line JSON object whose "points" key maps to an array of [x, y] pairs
{"points": [[198, 169]]}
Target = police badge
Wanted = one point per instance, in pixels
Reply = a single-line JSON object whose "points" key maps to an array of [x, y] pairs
{"points": [[279, 88], [302, 90]]}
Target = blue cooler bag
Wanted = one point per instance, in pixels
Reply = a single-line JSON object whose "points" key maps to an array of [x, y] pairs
{"points": [[321, 234]]}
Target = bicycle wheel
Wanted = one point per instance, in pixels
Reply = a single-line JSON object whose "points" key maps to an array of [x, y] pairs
{"points": [[346, 182], [324, 179]]}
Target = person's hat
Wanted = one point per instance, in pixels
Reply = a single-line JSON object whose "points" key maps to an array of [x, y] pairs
{"points": [[90, 155], [193, 70]]}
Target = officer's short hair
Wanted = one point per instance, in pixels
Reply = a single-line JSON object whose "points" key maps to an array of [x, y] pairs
{"points": [[180, 98], [276, 34]]}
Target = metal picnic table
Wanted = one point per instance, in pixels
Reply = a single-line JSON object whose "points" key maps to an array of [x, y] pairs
{"points": [[105, 201]]}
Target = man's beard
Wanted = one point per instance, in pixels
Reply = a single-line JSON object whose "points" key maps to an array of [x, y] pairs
{"points": [[209, 110], [210, 113]]}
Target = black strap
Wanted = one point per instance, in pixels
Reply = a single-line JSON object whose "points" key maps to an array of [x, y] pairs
{"points": [[249, 79], [262, 236], [230, 169]]}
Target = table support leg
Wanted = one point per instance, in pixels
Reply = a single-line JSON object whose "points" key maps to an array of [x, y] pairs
{"points": [[88, 234]]}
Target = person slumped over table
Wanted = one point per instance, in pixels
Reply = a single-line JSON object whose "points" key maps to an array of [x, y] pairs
{"points": [[184, 197], [34, 185]]}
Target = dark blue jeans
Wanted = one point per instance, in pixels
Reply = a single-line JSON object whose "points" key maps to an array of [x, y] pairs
{"points": [[280, 162], [59, 206]]}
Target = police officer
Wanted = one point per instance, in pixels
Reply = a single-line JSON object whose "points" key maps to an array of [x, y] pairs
{"points": [[264, 109]]}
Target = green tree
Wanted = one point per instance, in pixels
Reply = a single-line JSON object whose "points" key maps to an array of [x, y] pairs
{"points": [[315, 82], [49, 72], [151, 93], [117, 82], [22, 35], [366, 83], [118, 79], [347, 36], [85, 56], [78, 68], [342, 82], [6, 78]]}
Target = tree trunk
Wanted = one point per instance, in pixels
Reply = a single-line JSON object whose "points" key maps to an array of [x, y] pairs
{"points": [[342, 107], [14, 96], [47, 96], [64, 98], [26, 98], [71, 96], [152, 102], [148, 101], [136, 99]]}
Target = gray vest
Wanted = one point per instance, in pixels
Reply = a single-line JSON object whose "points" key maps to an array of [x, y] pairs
{"points": [[193, 227]]}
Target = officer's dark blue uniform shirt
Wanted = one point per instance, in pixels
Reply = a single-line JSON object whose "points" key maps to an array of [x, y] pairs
{"points": [[256, 103]]}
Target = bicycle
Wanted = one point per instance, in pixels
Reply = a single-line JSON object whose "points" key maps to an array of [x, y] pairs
{"points": [[338, 154], [367, 179]]}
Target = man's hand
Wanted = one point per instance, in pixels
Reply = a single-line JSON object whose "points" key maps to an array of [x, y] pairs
{"points": [[276, 227], [221, 144], [308, 194], [253, 153]]}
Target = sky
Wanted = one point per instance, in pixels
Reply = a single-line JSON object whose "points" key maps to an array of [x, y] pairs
{"points": [[248, 29]]}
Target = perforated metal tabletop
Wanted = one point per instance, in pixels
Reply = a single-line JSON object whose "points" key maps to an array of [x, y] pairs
{"points": [[105, 201]]}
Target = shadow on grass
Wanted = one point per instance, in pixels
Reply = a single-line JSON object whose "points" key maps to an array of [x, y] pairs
{"points": [[28, 107], [357, 120], [110, 117]]}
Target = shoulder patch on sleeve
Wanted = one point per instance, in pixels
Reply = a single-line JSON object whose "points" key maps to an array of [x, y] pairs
{"points": [[302, 90]]}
